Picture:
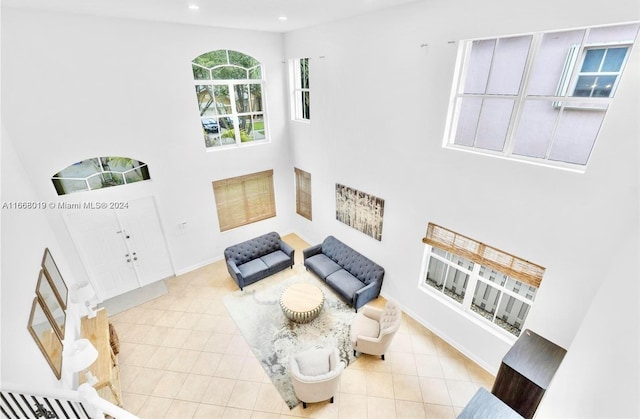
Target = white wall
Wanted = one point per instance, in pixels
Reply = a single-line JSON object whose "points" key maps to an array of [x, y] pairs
{"points": [[380, 87], [25, 235], [77, 87], [599, 375]]}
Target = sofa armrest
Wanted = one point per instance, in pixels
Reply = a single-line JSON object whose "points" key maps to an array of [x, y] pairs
{"points": [[287, 249], [366, 294], [235, 273], [311, 251]]}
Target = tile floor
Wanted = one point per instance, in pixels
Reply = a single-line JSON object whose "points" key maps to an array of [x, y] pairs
{"points": [[181, 356]]}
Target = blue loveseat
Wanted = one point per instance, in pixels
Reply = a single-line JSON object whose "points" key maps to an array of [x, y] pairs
{"points": [[255, 259], [354, 277]]}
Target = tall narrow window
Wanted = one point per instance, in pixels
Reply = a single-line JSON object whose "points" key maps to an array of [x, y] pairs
{"points": [[488, 284], [301, 89], [229, 89], [540, 97], [244, 199], [303, 193], [98, 173]]}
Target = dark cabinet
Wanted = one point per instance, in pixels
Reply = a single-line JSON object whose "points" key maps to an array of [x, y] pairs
{"points": [[484, 405], [526, 372]]}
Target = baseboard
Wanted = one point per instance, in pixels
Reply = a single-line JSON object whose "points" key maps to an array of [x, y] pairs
{"points": [[198, 265], [447, 339]]}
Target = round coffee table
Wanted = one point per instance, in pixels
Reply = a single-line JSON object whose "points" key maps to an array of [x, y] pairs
{"points": [[302, 302]]}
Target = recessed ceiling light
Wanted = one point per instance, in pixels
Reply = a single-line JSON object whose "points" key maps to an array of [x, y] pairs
{"points": [[283, 18], [194, 7]]}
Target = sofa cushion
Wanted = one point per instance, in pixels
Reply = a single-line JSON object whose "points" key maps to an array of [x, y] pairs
{"points": [[322, 265], [363, 268], [357, 264], [253, 270], [254, 248], [277, 259], [345, 283], [336, 250]]}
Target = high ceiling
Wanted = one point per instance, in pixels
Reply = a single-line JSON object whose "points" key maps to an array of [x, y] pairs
{"points": [[264, 15]]}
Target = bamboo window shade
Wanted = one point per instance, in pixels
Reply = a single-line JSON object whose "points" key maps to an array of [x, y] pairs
{"points": [[303, 193], [506, 263], [244, 199]]}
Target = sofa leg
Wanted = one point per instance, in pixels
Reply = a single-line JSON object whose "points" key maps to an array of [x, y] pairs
{"points": [[331, 401], [354, 352], [304, 405], [382, 356]]}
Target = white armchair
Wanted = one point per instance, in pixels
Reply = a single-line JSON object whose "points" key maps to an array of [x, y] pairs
{"points": [[372, 329], [315, 374]]}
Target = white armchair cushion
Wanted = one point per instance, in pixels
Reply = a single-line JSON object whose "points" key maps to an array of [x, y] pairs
{"points": [[366, 326], [313, 363]]}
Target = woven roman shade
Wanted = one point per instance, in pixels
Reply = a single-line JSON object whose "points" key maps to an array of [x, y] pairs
{"points": [[517, 268], [244, 199], [303, 193]]}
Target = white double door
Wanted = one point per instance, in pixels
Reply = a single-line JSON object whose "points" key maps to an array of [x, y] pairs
{"points": [[121, 249]]}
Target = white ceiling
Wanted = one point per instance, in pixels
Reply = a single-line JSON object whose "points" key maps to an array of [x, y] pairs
{"points": [[261, 15]]}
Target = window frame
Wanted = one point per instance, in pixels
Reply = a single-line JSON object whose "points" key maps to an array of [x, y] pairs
{"points": [[299, 110], [234, 115], [562, 98], [481, 255], [600, 46], [103, 172]]}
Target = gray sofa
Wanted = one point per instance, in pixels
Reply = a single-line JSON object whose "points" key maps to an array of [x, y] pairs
{"points": [[354, 277], [255, 259]]}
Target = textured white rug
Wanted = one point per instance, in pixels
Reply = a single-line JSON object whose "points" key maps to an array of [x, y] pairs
{"points": [[273, 338]]}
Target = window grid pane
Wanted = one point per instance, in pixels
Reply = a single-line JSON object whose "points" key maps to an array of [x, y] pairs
{"points": [[301, 92], [500, 299], [565, 67], [231, 102]]}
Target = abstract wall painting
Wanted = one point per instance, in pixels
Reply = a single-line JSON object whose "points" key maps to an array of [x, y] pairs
{"points": [[360, 210]]}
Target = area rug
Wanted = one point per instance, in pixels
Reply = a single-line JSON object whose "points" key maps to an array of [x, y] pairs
{"points": [[274, 339]]}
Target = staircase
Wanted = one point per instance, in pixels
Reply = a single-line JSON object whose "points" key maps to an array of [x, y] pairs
{"points": [[21, 403]]}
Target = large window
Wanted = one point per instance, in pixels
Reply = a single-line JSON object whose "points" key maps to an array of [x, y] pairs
{"points": [[244, 199], [540, 97], [98, 173], [303, 193], [301, 92], [493, 286], [229, 89]]}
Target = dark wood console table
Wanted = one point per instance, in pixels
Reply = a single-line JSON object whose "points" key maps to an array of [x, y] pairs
{"points": [[526, 372]]}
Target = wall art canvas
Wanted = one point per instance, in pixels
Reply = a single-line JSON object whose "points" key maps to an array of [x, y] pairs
{"points": [[360, 210]]}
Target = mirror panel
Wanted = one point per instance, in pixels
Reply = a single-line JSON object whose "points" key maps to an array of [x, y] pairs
{"points": [[55, 278], [43, 332], [50, 302]]}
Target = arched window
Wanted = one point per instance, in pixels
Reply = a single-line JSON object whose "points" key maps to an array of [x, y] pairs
{"points": [[229, 89], [98, 173]]}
